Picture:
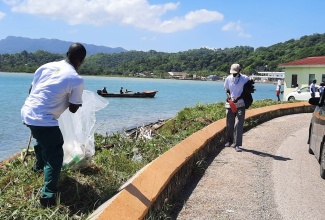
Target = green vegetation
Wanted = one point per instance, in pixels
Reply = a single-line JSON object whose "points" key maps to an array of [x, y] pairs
{"points": [[201, 62], [117, 158]]}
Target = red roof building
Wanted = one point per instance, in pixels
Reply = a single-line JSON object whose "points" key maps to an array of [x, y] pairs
{"points": [[302, 72], [308, 61]]}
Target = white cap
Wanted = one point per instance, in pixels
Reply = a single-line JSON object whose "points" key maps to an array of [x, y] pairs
{"points": [[235, 68]]}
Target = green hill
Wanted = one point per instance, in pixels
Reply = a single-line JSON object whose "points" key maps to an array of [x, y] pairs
{"points": [[202, 62]]}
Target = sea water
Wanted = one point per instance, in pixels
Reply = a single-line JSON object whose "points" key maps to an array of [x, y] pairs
{"points": [[121, 113]]}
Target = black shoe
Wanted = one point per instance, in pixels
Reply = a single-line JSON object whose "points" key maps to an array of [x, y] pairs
{"points": [[47, 202], [228, 144]]}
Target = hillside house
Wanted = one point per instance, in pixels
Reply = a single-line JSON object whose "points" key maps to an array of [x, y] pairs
{"points": [[213, 78], [303, 72], [178, 75]]}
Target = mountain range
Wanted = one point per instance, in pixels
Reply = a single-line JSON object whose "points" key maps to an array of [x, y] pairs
{"points": [[12, 45]]}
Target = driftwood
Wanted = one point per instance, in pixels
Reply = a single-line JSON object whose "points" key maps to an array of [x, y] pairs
{"points": [[141, 132], [146, 131]]}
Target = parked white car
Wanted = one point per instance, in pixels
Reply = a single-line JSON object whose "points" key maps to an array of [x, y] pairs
{"points": [[317, 133], [302, 95]]}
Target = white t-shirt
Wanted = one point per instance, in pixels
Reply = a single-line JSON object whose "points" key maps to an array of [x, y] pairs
{"points": [[236, 85], [278, 87], [312, 88], [54, 86]]}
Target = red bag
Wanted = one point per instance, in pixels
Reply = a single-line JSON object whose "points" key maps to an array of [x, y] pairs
{"points": [[232, 106]]}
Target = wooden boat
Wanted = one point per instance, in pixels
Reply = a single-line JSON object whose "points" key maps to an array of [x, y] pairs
{"points": [[144, 94]]}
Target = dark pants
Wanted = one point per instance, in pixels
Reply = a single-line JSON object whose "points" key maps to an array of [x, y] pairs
{"points": [[278, 94], [312, 94], [234, 131], [49, 156]]}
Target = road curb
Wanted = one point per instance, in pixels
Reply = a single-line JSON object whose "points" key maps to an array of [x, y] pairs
{"points": [[149, 189]]}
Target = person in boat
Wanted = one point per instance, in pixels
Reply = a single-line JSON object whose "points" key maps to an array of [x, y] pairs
{"points": [[49, 97], [121, 90], [126, 91], [104, 90]]}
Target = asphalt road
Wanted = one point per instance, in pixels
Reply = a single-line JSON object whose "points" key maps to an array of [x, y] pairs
{"points": [[299, 189], [274, 177]]}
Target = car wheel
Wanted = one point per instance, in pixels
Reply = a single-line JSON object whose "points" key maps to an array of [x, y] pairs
{"points": [[308, 142], [291, 98], [310, 150], [322, 163]]}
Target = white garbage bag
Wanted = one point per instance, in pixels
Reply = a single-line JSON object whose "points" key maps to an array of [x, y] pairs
{"points": [[78, 130]]}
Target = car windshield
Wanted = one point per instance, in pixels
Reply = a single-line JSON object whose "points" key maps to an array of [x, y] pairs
{"points": [[304, 89]]}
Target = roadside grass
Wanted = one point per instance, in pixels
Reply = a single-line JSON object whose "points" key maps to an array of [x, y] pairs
{"points": [[117, 158]]}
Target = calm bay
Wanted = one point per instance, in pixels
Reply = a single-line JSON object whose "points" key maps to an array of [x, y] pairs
{"points": [[121, 113]]}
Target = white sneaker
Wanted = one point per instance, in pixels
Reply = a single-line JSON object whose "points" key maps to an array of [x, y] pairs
{"points": [[227, 144], [238, 149]]}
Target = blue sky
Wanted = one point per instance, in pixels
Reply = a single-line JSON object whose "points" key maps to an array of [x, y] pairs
{"points": [[161, 25]]}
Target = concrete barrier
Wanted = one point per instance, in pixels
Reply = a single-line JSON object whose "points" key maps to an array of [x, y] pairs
{"points": [[148, 190]]}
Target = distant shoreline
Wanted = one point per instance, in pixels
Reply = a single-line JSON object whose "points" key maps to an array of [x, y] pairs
{"points": [[118, 76]]}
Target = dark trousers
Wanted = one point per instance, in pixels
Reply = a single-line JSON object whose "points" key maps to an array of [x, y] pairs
{"points": [[235, 128], [49, 156], [312, 94]]}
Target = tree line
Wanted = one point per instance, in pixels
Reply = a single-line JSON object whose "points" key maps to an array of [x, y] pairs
{"points": [[201, 62]]}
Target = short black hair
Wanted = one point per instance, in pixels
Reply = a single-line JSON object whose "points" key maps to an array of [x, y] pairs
{"points": [[76, 52]]}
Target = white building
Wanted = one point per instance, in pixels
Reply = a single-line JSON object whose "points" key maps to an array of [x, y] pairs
{"points": [[178, 75], [268, 76], [303, 72]]}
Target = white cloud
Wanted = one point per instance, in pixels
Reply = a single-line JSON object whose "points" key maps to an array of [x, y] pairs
{"points": [[2, 15], [136, 13], [236, 27], [189, 21], [11, 2]]}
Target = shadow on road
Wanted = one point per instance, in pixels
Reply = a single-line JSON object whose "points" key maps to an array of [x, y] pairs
{"points": [[259, 153], [189, 187], [195, 179]]}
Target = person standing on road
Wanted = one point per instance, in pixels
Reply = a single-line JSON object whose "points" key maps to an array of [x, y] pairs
{"points": [[234, 86], [278, 90], [313, 88], [297, 88], [56, 86]]}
